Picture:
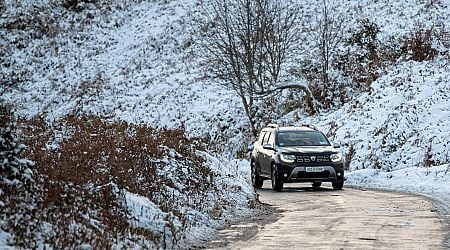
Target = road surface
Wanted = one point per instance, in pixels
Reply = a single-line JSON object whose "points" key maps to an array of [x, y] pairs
{"points": [[305, 218]]}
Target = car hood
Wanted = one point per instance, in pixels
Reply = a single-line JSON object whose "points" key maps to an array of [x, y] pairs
{"points": [[308, 150]]}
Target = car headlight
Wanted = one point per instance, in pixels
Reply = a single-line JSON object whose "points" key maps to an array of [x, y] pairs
{"points": [[336, 157], [287, 158]]}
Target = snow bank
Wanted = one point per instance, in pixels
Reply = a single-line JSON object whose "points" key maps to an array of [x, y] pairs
{"points": [[231, 198], [433, 182]]}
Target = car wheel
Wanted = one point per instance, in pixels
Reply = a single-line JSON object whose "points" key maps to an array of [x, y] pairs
{"points": [[316, 184], [257, 181], [277, 184], [338, 185]]}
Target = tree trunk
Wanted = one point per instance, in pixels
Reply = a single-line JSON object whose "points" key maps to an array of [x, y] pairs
{"points": [[250, 117]]}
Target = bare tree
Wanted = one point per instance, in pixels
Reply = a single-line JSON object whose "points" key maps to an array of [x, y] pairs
{"points": [[249, 42], [330, 36]]}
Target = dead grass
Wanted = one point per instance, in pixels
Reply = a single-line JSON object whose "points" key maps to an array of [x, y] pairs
{"points": [[418, 46], [78, 187], [348, 157]]}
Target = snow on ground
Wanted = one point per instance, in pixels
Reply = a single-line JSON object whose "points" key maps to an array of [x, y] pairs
{"points": [[4, 237], [232, 199], [395, 18], [399, 128], [406, 114], [138, 62], [238, 196], [145, 72], [433, 182]]}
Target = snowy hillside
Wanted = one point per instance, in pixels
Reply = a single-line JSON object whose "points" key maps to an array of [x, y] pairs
{"points": [[140, 62], [135, 62], [107, 185], [400, 131], [123, 61], [403, 121]]}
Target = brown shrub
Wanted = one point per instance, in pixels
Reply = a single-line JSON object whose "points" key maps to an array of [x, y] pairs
{"points": [[418, 46], [348, 157], [79, 184]]}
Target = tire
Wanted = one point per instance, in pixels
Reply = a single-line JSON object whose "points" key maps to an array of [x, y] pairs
{"points": [[277, 183], [257, 181], [338, 185], [316, 184]]}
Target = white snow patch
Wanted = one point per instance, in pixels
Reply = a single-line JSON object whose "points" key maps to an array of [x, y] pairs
{"points": [[433, 182]]}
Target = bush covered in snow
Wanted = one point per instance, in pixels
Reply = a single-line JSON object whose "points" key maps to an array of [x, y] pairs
{"points": [[14, 168], [104, 184], [403, 122]]}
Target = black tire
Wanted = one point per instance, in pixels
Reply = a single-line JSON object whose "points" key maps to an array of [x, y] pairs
{"points": [[257, 181], [277, 183], [338, 185], [316, 184]]}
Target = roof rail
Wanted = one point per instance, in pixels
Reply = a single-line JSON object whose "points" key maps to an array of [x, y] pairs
{"points": [[310, 126], [272, 125]]}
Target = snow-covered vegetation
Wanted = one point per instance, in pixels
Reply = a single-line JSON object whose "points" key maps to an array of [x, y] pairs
{"points": [[115, 182], [402, 122], [78, 71], [15, 170], [109, 184], [397, 136]]}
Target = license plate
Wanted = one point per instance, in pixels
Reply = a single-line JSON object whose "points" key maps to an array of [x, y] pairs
{"points": [[314, 169]]}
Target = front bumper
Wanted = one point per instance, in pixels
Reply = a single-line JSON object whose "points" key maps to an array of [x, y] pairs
{"points": [[298, 173]]}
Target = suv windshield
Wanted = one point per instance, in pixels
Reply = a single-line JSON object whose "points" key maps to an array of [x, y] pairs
{"points": [[301, 138]]}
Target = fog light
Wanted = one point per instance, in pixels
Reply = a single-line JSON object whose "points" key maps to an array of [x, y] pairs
{"points": [[339, 174], [285, 175]]}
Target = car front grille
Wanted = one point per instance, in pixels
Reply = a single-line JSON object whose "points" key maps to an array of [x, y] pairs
{"points": [[313, 158]]}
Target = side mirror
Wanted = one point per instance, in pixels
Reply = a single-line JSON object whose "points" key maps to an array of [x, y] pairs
{"points": [[268, 146], [336, 145]]}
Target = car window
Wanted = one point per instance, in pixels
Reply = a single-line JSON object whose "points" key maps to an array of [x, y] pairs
{"points": [[301, 138], [271, 138], [261, 137], [266, 137]]}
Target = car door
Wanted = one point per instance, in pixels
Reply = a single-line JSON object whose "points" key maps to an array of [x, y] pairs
{"points": [[259, 151], [267, 154]]}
